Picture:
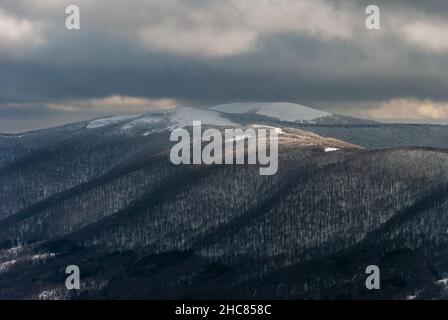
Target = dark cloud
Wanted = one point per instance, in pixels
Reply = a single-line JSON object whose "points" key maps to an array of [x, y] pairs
{"points": [[155, 51]]}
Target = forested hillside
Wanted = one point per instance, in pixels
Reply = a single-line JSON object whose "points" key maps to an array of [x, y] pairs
{"points": [[108, 199]]}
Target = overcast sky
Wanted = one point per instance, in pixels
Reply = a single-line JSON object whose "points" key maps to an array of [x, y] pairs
{"points": [[138, 55]]}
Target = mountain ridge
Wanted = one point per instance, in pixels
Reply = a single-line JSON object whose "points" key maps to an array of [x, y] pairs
{"points": [[107, 198]]}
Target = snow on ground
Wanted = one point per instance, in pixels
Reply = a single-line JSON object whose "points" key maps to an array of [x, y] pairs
{"points": [[176, 118], [6, 265], [148, 120], [49, 295], [442, 282], [13, 251], [183, 117], [44, 256], [330, 149], [37, 258], [284, 111], [110, 120]]}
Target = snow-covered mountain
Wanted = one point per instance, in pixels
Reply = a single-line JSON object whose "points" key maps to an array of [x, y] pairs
{"points": [[226, 115], [165, 120], [283, 111], [103, 194], [286, 112]]}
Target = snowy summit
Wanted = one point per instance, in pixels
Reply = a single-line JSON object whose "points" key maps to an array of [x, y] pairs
{"points": [[283, 111]]}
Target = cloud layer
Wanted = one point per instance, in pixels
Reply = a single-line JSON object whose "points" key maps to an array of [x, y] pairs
{"points": [[153, 53], [17, 34], [410, 110]]}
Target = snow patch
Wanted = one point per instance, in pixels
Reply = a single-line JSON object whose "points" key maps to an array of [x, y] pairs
{"points": [[442, 282], [283, 111], [176, 118], [184, 117], [108, 121], [147, 120], [13, 250], [45, 256], [5, 266], [330, 149], [49, 295]]}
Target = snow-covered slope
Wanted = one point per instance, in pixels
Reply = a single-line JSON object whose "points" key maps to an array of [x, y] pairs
{"points": [[185, 116], [283, 111], [225, 115], [98, 123], [165, 120]]}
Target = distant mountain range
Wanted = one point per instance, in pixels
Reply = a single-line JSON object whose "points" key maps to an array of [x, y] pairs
{"points": [[103, 195]]}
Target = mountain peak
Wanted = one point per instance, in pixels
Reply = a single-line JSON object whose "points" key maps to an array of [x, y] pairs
{"points": [[283, 111]]}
